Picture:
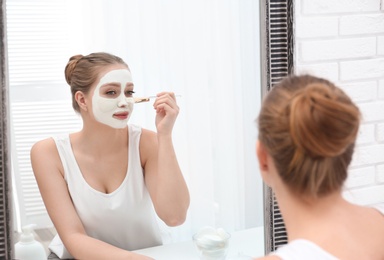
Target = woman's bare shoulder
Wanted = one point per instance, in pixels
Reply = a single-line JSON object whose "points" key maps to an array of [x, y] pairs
{"points": [[43, 147], [45, 152], [45, 159], [148, 145], [148, 139], [146, 133]]}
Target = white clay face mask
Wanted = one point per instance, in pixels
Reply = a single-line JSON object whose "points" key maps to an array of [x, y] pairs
{"points": [[114, 111]]}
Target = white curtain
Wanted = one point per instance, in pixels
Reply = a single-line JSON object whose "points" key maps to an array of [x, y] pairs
{"points": [[207, 51]]}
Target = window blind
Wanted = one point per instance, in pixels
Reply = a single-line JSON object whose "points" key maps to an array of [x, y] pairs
{"points": [[39, 96], [32, 121], [37, 41]]}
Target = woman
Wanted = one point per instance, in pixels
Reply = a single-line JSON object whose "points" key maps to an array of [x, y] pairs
{"points": [[103, 185], [307, 131]]}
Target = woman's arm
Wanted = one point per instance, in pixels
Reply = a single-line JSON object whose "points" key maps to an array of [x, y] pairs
{"points": [[48, 171], [163, 176]]}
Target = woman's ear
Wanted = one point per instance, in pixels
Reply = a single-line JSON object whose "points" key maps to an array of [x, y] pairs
{"points": [[261, 153], [262, 156], [81, 100]]}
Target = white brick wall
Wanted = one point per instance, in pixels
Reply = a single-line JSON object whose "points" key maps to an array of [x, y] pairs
{"points": [[361, 91], [362, 69], [338, 6], [380, 173], [335, 49], [381, 89], [362, 24], [343, 40], [380, 44], [380, 132]]}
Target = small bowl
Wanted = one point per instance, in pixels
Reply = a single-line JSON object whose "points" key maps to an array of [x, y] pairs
{"points": [[211, 244]]}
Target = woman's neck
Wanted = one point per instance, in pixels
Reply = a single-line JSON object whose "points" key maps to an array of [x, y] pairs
{"points": [[305, 218], [101, 140]]}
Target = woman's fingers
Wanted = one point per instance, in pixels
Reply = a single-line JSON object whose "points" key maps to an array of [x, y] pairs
{"points": [[165, 98], [166, 112]]}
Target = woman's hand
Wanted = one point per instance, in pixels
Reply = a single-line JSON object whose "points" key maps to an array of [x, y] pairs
{"points": [[163, 177], [166, 112]]}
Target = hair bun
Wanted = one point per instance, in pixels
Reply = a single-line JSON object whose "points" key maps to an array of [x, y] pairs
{"points": [[71, 67], [323, 121]]}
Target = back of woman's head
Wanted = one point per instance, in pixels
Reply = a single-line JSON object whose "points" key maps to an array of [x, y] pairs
{"points": [[81, 72], [309, 127]]}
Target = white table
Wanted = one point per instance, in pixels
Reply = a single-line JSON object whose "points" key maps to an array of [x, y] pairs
{"points": [[249, 242]]}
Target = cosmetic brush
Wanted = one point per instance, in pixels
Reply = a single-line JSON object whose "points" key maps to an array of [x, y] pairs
{"points": [[146, 99]]}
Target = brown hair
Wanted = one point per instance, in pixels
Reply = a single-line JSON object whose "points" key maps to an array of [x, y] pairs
{"points": [[81, 72], [309, 126]]}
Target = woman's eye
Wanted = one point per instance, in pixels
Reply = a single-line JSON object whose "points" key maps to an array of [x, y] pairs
{"points": [[111, 92], [129, 93]]}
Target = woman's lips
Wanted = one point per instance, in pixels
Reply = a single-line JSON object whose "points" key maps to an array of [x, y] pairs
{"points": [[121, 115]]}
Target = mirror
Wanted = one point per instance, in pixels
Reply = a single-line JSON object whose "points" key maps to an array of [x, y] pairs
{"points": [[6, 229], [213, 94]]}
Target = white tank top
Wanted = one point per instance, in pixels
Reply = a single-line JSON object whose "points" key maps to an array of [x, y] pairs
{"points": [[124, 218], [302, 249]]}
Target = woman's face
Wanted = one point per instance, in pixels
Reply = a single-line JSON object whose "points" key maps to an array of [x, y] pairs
{"points": [[112, 101]]}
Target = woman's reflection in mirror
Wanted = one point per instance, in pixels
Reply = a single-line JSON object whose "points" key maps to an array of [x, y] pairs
{"points": [[103, 185], [307, 132]]}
